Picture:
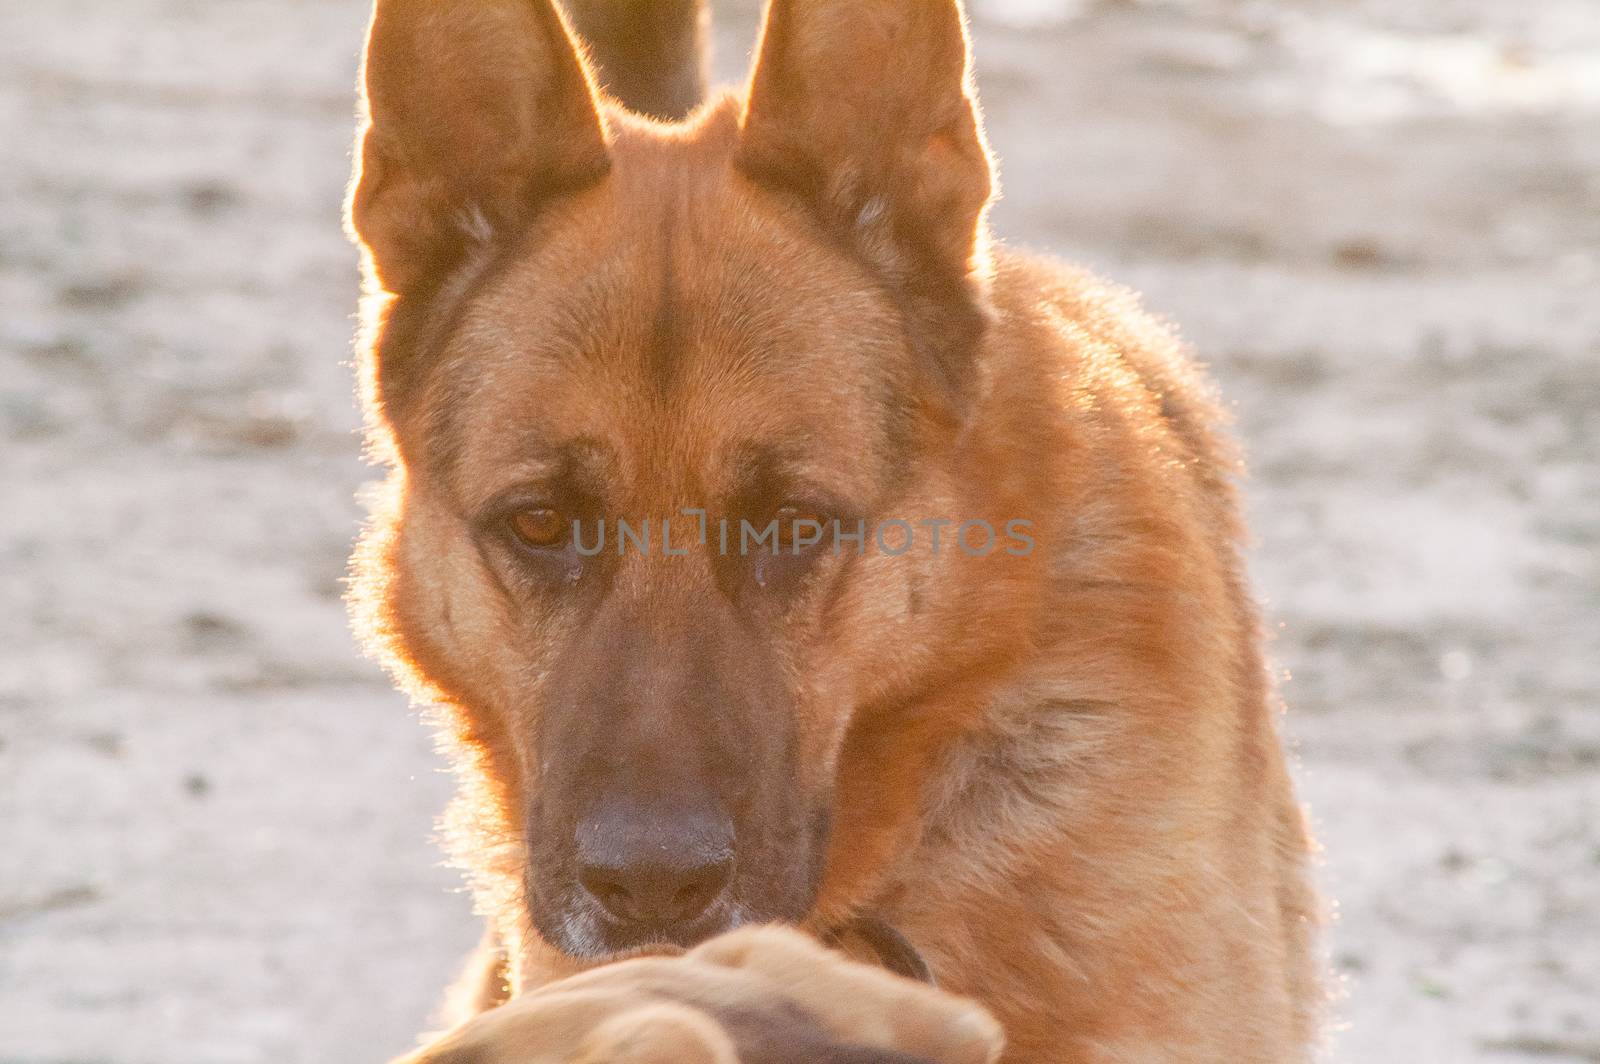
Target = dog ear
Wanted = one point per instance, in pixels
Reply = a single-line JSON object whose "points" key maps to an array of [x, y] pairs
{"points": [[476, 110], [866, 110]]}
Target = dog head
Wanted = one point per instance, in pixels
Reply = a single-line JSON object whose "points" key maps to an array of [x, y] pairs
{"points": [[624, 374]]}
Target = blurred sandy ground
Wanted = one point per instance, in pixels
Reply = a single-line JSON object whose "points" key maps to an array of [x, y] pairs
{"points": [[1379, 222]]}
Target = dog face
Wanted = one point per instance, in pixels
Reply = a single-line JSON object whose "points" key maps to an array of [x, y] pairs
{"points": [[640, 386], [599, 394]]}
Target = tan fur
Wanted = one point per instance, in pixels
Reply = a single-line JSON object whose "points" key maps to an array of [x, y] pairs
{"points": [[1057, 774]]}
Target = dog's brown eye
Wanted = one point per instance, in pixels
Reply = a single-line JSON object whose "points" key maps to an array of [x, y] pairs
{"points": [[541, 528]]}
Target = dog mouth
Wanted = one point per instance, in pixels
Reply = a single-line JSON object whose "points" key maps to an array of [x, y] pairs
{"points": [[574, 916], [585, 930], [580, 925], [594, 937]]}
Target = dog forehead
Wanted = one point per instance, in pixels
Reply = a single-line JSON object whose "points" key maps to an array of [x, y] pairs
{"points": [[676, 323]]}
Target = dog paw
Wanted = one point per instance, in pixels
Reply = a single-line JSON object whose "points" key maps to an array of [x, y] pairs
{"points": [[753, 996]]}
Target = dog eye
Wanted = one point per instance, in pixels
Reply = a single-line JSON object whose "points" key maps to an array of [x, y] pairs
{"points": [[540, 528]]}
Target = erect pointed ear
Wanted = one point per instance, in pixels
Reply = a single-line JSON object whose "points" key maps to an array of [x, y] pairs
{"points": [[866, 109], [476, 110]]}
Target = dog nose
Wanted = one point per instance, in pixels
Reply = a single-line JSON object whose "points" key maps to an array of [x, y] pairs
{"points": [[655, 872]]}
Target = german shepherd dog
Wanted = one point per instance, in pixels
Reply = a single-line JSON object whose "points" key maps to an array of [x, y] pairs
{"points": [[677, 400]]}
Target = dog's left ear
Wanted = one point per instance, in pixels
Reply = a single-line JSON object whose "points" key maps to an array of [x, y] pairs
{"points": [[866, 110]]}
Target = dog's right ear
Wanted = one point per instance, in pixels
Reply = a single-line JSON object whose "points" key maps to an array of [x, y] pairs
{"points": [[475, 111]]}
